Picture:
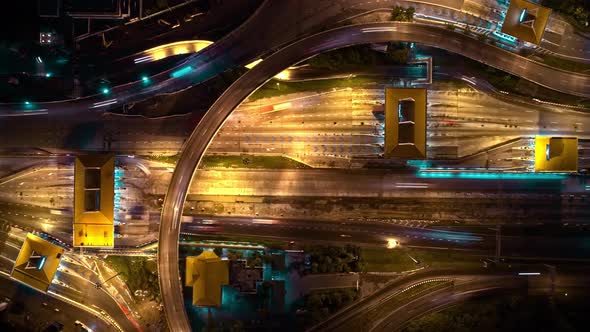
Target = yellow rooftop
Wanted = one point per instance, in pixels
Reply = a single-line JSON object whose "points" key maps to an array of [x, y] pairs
{"points": [[37, 262], [206, 273], [405, 123], [94, 195], [526, 21], [556, 154]]}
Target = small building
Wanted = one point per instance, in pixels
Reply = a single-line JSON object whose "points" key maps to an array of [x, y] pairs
{"points": [[94, 196], [526, 21], [245, 279], [405, 123], [37, 262], [206, 274], [556, 154]]}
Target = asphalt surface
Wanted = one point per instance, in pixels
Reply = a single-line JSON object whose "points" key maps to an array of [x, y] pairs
{"points": [[336, 124], [202, 135], [41, 315], [480, 241], [207, 66], [436, 301], [373, 301]]}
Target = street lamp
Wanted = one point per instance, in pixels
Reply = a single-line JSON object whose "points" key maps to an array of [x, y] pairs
{"points": [[392, 243]]}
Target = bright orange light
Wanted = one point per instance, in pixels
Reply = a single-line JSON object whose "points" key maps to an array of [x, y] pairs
{"points": [[284, 75], [392, 243]]}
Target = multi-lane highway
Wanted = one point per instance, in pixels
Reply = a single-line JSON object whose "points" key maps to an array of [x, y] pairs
{"points": [[342, 124], [73, 284], [197, 68], [352, 317], [480, 241], [222, 108]]}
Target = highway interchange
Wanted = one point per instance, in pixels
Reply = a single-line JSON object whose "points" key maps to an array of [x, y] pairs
{"points": [[92, 131]]}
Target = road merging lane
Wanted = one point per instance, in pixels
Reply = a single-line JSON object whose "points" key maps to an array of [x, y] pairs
{"points": [[198, 142]]}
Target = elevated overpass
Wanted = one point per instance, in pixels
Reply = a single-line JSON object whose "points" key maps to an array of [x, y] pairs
{"points": [[196, 145]]}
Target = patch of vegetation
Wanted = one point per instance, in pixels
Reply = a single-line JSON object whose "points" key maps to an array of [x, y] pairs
{"points": [[398, 52], [164, 159], [360, 56], [244, 161], [399, 260], [272, 162], [565, 64], [506, 313], [331, 259], [319, 305], [387, 260], [139, 273], [271, 89], [402, 14], [245, 240], [576, 10]]}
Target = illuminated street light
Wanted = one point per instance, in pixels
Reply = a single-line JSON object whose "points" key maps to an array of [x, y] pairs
{"points": [[105, 91], [392, 243]]}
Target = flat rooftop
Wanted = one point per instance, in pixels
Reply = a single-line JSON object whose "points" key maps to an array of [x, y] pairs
{"points": [[526, 21], [37, 262], [207, 274], [405, 123], [94, 195], [556, 154]]}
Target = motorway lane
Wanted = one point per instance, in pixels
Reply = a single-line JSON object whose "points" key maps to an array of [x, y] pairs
{"points": [[362, 183], [41, 315], [435, 301], [200, 138], [230, 52], [97, 132], [350, 314], [83, 291], [326, 124], [477, 241], [37, 218]]}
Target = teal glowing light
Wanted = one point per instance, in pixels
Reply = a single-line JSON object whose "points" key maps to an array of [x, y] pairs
{"points": [[491, 175], [27, 103], [522, 14], [41, 263], [145, 79], [48, 75], [505, 37], [421, 164], [105, 91], [181, 72]]}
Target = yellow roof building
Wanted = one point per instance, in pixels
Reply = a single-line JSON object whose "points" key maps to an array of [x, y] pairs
{"points": [[37, 262], [206, 273], [94, 195], [556, 154], [526, 21], [405, 123]]}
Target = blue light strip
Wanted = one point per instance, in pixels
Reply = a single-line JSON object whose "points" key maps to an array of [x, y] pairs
{"points": [[41, 263], [182, 72], [522, 14], [491, 176]]}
